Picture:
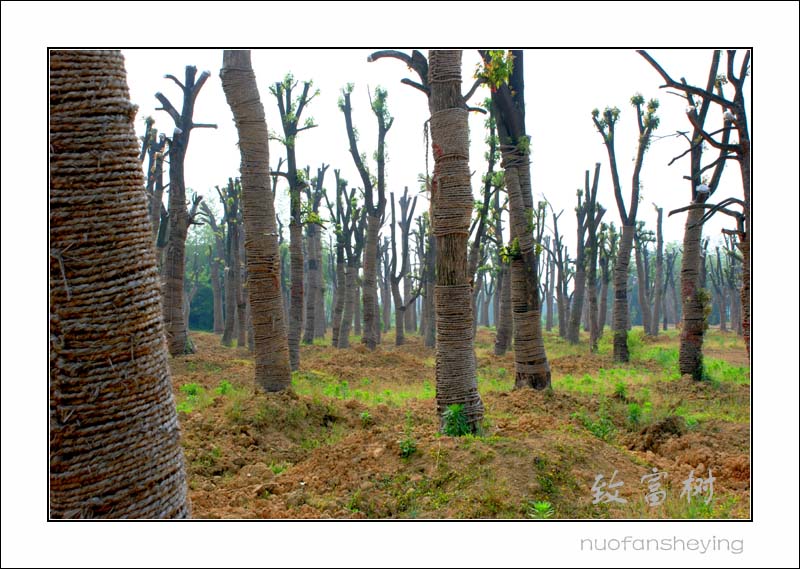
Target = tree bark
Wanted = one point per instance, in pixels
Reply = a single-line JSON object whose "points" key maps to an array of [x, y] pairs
{"points": [[658, 285], [451, 195], [114, 437], [179, 219], [272, 372]]}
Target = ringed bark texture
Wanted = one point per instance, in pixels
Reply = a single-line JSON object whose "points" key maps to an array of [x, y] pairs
{"points": [[456, 381], [691, 346], [261, 234], [114, 438]]}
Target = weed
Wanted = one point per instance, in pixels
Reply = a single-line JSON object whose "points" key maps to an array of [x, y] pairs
{"points": [[224, 387], [634, 414], [540, 510], [191, 389], [277, 468], [621, 391], [454, 421], [408, 446], [366, 419], [603, 428]]}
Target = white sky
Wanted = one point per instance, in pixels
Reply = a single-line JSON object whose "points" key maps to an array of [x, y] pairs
{"points": [[771, 27], [561, 89]]}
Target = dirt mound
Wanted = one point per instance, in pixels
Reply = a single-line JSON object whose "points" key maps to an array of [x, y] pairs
{"points": [[653, 436], [580, 364]]}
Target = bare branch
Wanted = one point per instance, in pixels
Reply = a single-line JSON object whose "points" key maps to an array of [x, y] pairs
{"points": [[203, 125], [478, 82], [169, 76], [167, 106], [410, 83]]}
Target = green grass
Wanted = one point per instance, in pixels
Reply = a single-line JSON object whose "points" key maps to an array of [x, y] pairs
{"points": [[194, 397], [318, 384]]}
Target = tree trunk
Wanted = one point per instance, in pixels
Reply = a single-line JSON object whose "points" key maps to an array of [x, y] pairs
{"points": [[456, 380], [502, 340], [399, 315], [621, 315], [312, 260], [114, 436], [658, 286], [369, 284], [430, 280], [602, 312], [341, 293], [350, 302], [641, 287], [573, 328], [296, 304], [484, 320], [241, 301], [693, 329], [272, 371], [550, 290]]}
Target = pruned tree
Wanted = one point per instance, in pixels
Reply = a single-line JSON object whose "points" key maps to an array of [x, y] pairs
{"points": [[451, 207], [179, 217], [373, 209], [734, 120], [401, 303], [504, 73], [114, 437], [340, 221], [354, 224], [291, 110], [588, 216], [154, 146], [272, 369], [647, 122]]}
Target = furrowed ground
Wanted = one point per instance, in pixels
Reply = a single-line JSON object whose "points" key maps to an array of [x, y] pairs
{"points": [[357, 437]]}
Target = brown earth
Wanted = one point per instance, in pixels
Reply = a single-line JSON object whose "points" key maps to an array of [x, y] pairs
{"points": [[311, 455]]}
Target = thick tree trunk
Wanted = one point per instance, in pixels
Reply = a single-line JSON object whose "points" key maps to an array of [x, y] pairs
{"points": [[456, 380], [621, 316], [532, 367], [693, 329], [270, 345], [114, 436]]}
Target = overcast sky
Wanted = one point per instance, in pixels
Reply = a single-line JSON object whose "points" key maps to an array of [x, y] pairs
{"points": [[561, 88]]}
